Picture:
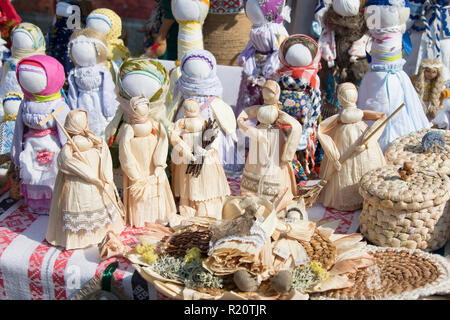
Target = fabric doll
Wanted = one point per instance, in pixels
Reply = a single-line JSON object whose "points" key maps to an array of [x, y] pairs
{"points": [[84, 207], [203, 193], [27, 40], [300, 91], [267, 170], [340, 135], [161, 32], [8, 20], [429, 84], [199, 81], [343, 47], [386, 86], [35, 147], [442, 120], [11, 103], [143, 148], [260, 58], [190, 15], [430, 34], [70, 15], [110, 24], [91, 86], [140, 77]]}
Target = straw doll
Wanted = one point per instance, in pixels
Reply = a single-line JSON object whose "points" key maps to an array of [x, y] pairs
{"points": [[340, 135], [260, 58], [199, 81], [268, 170], [198, 177], [429, 84], [300, 92], [35, 147], [143, 148], [91, 86], [27, 40], [84, 206], [386, 86], [110, 24]]}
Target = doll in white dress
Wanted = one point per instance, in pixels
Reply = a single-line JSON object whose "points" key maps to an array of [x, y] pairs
{"points": [[91, 87], [143, 148], [84, 206]]}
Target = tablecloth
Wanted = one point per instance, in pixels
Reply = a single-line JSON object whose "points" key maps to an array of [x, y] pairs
{"points": [[30, 268]]}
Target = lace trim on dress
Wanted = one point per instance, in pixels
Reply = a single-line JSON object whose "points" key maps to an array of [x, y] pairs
{"points": [[89, 220]]}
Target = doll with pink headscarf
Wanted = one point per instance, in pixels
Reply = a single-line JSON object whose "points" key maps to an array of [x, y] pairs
{"points": [[35, 147], [260, 58]]}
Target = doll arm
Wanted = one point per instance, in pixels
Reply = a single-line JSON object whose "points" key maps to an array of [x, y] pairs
{"points": [[112, 126], [162, 147], [294, 136], [62, 118], [107, 165], [247, 113], [177, 142], [373, 115], [17, 142], [73, 91], [70, 164], [109, 101], [128, 162], [327, 143]]}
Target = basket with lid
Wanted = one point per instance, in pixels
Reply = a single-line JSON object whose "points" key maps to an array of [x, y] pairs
{"points": [[432, 151], [410, 212]]}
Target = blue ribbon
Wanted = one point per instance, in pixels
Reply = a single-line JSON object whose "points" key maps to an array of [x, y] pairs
{"points": [[407, 44]]}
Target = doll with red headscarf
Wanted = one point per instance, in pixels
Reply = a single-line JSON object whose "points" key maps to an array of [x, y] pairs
{"points": [[35, 147], [300, 94]]}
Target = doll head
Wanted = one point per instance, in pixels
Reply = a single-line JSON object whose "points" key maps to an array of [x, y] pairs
{"points": [[142, 77], [191, 109], [432, 71], [27, 39], [65, 8], [105, 21], [76, 125], [384, 14], [40, 77], [347, 96], [261, 12], [271, 92], [198, 75], [190, 10], [11, 103], [346, 8], [267, 114], [137, 110], [87, 47]]}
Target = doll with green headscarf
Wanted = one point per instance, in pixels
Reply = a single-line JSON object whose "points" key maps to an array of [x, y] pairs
{"points": [[139, 77]]}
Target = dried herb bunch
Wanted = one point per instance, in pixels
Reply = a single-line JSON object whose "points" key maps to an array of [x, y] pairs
{"points": [[209, 134]]}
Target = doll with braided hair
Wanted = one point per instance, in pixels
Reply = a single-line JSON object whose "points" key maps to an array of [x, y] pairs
{"points": [[429, 84]]}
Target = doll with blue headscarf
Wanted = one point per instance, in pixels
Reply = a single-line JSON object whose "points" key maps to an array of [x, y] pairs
{"points": [[386, 86], [199, 81]]}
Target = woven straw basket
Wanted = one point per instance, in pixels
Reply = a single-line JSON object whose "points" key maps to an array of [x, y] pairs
{"points": [[409, 148], [226, 36], [412, 213]]}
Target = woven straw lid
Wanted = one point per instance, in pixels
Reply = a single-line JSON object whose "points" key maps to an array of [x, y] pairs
{"points": [[409, 148], [425, 188]]}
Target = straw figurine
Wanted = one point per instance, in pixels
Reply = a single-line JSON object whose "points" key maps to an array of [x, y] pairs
{"points": [[198, 177], [268, 167], [143, 148], [85, 204]]}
